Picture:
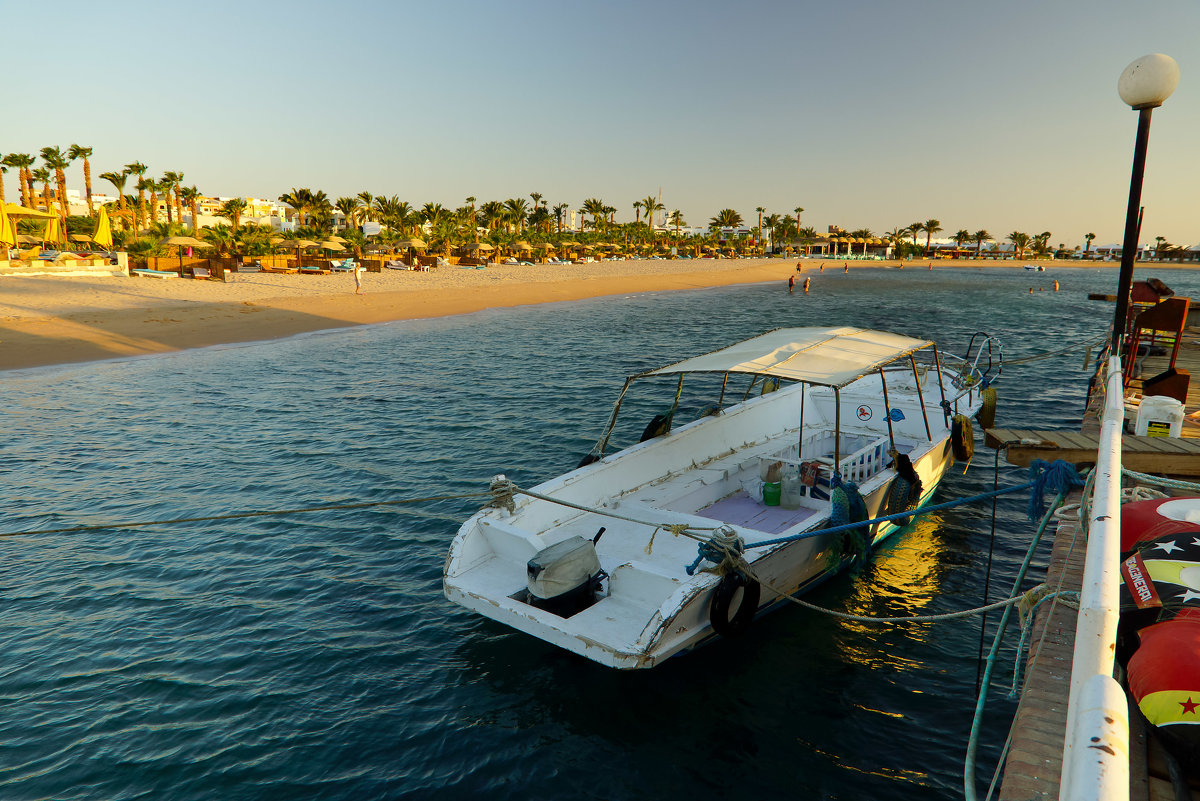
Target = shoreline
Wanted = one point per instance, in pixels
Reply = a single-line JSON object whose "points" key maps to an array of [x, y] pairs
{"points": [[47, 321]]}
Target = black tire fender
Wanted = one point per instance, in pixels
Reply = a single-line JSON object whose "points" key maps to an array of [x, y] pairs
{"points": [[723, 595]]}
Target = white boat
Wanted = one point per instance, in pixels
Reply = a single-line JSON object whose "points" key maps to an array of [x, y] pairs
{"points": [[1037, 268], [599, 561]]}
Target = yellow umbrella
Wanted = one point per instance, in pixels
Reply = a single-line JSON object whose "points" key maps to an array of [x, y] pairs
{"points": [[8, 234], [103, 233], [53, 231], [13, 210]]}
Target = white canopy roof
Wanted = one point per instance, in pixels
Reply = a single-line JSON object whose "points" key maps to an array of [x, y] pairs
{"points": [[827, 356]]}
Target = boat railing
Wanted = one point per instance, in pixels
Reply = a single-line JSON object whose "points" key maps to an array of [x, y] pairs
{"points": [[1096, 745]]}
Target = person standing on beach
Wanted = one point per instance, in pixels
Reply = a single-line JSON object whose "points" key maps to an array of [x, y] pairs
{"points": [[799, 266], [806, 282], [791, 284], [358, 271]]}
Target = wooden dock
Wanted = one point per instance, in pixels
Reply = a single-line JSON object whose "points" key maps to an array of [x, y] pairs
{"points": [[1033, 766]]}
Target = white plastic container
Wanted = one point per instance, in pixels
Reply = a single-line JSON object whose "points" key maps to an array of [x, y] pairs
{"points": [[1159, 416]]}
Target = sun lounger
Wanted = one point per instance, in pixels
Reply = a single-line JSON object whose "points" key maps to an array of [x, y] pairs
{"points": [[396, 264], [343, 266], [313, 270], [148, 273], [252, 267], [201, 272], [281, 270]]}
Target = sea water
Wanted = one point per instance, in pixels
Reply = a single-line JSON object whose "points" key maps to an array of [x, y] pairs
{"points": [[312, 655]]}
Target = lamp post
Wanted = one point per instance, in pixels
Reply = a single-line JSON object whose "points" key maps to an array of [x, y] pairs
{"points": [[1144, 85]]}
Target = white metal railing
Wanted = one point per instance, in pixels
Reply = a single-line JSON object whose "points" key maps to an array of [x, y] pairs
{"points": [[1096, 746]]}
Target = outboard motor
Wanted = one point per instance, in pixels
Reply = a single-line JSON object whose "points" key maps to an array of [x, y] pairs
{"points": [[565, 578]]}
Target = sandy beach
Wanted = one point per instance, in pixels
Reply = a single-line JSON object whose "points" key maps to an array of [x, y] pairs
{"points": [[62, 320]]}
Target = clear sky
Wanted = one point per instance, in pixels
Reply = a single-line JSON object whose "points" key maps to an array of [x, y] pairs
{"points": [[994, 115]]}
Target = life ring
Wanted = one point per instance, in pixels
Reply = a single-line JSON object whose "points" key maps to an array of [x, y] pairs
{"points": [[723, 595]]}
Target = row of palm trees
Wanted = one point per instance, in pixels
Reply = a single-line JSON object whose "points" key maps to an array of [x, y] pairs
{"points": [[502, 220]]}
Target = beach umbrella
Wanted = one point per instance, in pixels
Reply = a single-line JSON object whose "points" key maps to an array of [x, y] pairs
{"points": [[336, 238], [14, 211], [182, 242], [411, 243], [26, 239], [523, 246], [53, 231], [329, 244], [102, 236], [80, 238], [544, 246], [8, 233]]}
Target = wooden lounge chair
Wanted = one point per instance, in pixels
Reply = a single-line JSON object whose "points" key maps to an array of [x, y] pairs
{"points": [[314, 270], [342, 266], [280, 270], [148, 273], [201, 272]]}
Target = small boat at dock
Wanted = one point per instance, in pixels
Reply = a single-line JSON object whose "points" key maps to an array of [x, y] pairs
{"points": [[645, 553]]}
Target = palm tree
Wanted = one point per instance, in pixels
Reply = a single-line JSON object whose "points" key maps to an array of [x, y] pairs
{"points": [[85, 153], [963, 235], [118, 179], [772, 222], [165, 185], [650, 204], [232, 210], [559, 210], [43, 174], [537, 198], [676, 219], [1019, 241], [726, 218], [637, 211], [367, 208], [516, 211], [596, 208], [915, 229], [760, 211], [470, 201], [930, 227], [192, 195], [980, 237], [799, 210], [139, 169], [56, 160], [1089, 237], [349, 208], [22, 161], [175, 179], [153, 187], [3, 169], [299, 200]]}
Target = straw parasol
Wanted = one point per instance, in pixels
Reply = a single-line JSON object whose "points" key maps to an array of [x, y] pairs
{"points": [[80, 238], [522, 246], [412, 243], [182, 242], [329, 244]]}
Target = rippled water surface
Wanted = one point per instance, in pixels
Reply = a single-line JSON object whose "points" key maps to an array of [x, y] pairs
{"points": [[312, 655]]}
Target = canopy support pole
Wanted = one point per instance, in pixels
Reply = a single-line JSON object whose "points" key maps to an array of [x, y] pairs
{"points": [[887, 412], [921, 395], [837, 430]]}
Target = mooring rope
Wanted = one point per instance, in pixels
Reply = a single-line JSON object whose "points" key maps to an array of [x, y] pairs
{"points": [[1169, 483], [240, 515], [1078, 346]]}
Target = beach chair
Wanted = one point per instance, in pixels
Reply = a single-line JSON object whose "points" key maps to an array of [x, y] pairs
{"points": [[396, 264], [342, 266], [313, 270], [201, 272], [251, 267]]}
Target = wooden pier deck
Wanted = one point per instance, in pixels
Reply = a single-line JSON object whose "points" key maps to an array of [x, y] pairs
{"points": [[1033, 766]]}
